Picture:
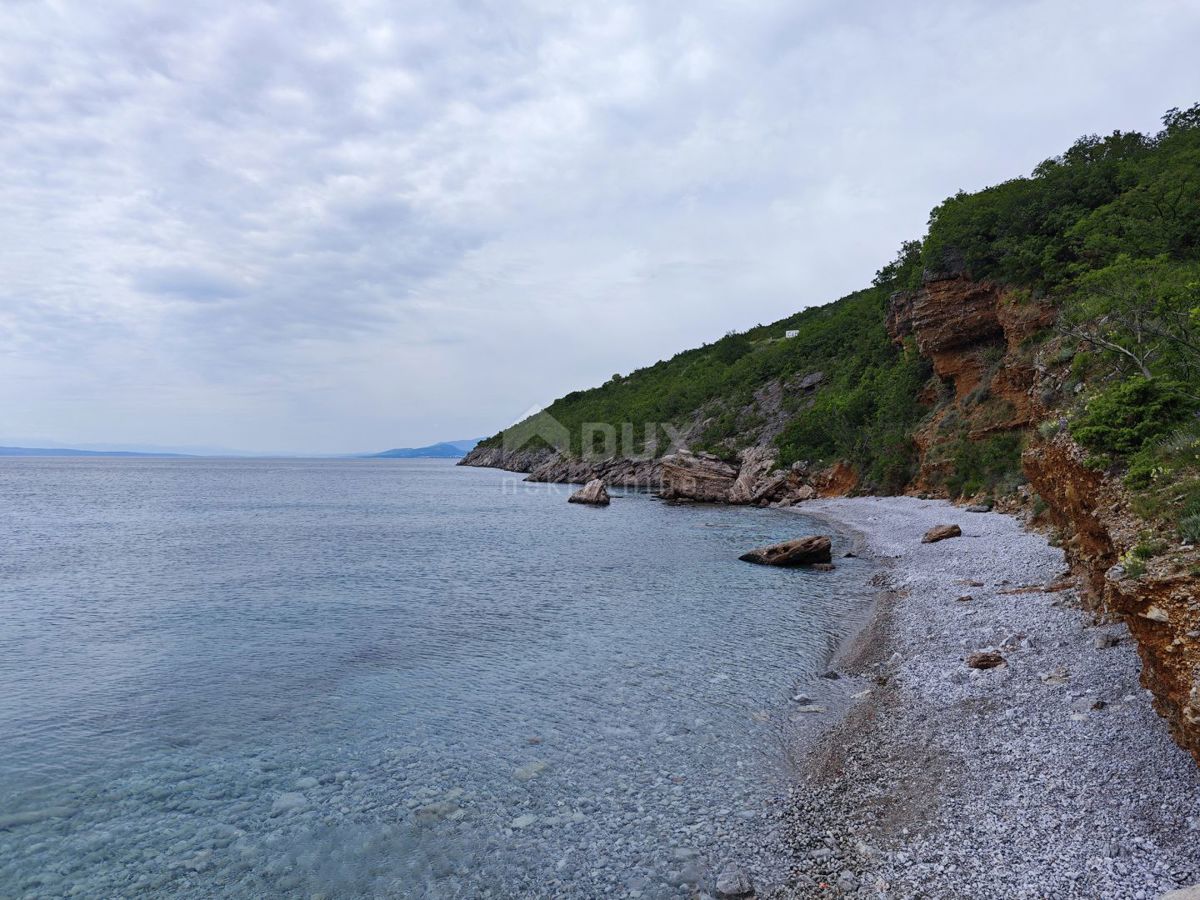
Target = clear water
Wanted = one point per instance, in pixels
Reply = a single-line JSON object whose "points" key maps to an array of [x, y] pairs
{"points": [[459, 684]]}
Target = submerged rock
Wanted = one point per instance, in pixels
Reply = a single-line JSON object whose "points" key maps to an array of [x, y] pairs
{"points": [[733, 882], [805, 551], [940, 533], [592, 493]]}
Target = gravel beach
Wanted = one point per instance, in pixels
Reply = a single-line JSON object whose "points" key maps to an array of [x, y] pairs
{"points": [[1047, 775]]}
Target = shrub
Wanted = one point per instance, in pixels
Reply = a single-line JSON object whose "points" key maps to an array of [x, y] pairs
{"points": [[1123, 418]]}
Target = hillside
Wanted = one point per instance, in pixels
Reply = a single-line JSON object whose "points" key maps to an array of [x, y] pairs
{"points": [[1038, 348]]}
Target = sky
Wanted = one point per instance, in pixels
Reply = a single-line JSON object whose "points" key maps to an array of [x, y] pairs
{"points": [[333, 227]]}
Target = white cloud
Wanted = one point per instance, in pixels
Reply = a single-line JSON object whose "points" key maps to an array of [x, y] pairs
{"points": [[338, 226]]}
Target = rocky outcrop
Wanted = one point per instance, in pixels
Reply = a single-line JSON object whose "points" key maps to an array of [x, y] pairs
{"points": [[592, 493], [697, 476], [510, 460], [756, 464], [1160, 606], [815, 549]]}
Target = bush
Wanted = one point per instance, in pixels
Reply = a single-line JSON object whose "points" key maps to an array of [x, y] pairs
{"points": [[1127, 415]]}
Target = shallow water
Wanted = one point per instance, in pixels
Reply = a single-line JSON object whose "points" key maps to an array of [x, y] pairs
{"points": [[390, 678]]}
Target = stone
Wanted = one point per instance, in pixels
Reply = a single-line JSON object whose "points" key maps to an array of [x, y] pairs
{"points": [[941, 533], [530, 770], [1187, 893], [803, 551], [733, 882], [593, 493], [291, 802], [696, 476], [524, 821], [1104, 641], [965, 598], [756, 463], [985, 659], [979, 508], [306, 783]]}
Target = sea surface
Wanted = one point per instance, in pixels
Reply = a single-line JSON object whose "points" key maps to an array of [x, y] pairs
{"points": [[391, 678]]}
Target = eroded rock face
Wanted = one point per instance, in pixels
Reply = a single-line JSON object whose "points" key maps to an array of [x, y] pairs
{"points": [[1161, 608], [592, 493], [805, 551], [697, 476], [756, 463]]}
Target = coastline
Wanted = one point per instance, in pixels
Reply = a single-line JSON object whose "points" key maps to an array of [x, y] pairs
{"points": [[1048, 776]]}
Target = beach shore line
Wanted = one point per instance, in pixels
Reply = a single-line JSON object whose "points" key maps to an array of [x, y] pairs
{"points": [[1046, 775]]}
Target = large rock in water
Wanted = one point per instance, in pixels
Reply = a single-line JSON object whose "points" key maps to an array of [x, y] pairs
{"points": [[592, 493], [805, 551]]}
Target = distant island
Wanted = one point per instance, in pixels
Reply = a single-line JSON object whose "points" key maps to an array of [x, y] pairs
{"points": [[67, 451], [441, 450]]}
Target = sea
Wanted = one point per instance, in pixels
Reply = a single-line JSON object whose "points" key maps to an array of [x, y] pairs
{"points": [[394, 678]]}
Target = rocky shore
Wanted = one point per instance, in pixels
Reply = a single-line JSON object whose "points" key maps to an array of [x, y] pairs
{"points": [[1046, 774]]}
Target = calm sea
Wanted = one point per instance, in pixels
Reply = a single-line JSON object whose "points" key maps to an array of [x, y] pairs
{"points": [[231, 678]]}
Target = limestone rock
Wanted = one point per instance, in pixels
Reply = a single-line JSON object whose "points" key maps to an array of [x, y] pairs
{"points": [[940, 533], [592, 493], [756, 463], [697, 476], [803, 551]]}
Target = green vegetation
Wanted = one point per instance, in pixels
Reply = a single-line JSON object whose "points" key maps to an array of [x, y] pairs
{"points": [[1108, 233]]}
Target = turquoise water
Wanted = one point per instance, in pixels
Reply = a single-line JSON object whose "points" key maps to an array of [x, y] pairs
{"points": [[388, 678]]}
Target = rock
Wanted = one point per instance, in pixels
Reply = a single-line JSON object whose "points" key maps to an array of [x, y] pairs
{"points": [[592, 493], [1104, 641], [1187, 893], [965, 598], [941, 533], [531, 770], [290, 802], [756, 463], [831, 675], [849, 554], [803, 551], [985, 659], [733, 882], [824, 567], [1057, 677], [811, 381], [696, 476], [524, 821], [979, 508], [306, 783]]}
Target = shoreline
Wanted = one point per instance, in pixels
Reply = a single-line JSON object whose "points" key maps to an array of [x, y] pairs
{"points": [[1048, 776]]}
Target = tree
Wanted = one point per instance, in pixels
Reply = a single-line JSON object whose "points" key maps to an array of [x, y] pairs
{"points": [[1144, 313]]}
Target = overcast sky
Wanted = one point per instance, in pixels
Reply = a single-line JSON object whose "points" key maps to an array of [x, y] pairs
{"points": [[337, 226]]}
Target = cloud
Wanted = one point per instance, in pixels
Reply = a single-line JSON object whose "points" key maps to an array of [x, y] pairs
{"points": [[332, 226]]}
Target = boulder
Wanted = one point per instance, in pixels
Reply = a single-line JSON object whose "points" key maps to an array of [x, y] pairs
{"points": [[592, 493], [940, 533], [805, 551], [696, 476]]}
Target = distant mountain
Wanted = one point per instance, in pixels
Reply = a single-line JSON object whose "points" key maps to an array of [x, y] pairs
{"points": [[67, 451], [442, 450]]}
